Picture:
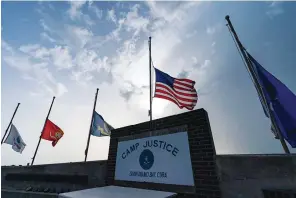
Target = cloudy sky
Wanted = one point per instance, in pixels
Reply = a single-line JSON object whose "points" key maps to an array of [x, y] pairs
{"points": [[68, 50]]}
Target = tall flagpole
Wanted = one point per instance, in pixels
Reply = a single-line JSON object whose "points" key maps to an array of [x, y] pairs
{"points": [[42, 131], [18, 104], [150, 83], [91, 121], [257, 84]]}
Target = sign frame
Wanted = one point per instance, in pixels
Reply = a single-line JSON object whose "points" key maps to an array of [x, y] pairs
{"points": [[154, 133]]}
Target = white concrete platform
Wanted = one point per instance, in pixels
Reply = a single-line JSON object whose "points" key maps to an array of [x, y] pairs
{"points": [[116, 192]]}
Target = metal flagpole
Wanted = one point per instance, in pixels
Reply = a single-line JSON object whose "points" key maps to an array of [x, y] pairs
{"points": [[88, 139], [150, 83], [18, 104], [42, 131], [257, 84]]}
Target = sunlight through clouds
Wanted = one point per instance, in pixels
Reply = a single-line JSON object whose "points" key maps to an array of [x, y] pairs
{"points": [[84, 54]]}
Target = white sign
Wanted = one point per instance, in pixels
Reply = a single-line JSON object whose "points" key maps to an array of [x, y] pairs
{"points": [[161, 159]]}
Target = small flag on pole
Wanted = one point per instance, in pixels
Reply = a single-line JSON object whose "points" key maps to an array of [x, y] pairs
{"points": [[52, 132], [100, 127], [280, 99], [14, 138], [180, 91]]}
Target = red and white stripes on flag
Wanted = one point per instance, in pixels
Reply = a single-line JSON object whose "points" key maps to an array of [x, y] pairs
{"points": [[179, 91]]}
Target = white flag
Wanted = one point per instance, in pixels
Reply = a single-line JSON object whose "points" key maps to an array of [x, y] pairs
{"points": [[15, 140]]}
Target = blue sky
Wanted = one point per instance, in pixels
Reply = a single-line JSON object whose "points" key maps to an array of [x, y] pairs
{"points": [[69, 49]]}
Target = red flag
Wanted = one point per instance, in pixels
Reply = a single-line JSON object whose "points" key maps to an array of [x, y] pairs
{"points": [[52, 132]]}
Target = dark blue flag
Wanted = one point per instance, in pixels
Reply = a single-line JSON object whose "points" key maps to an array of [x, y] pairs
{"points": [[100, 127], [280, 99]]}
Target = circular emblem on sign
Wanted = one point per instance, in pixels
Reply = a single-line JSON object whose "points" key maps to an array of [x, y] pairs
{"points": [[146, 159]]}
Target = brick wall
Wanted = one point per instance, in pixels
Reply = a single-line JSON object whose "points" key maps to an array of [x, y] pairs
{"points": [[245, 176], [20, 177], [201, 146], [21, 194]]}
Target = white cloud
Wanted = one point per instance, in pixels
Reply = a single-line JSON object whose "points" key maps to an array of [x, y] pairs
{"points": [[41, 53], [135, 22], [81, 78], [61, 89], [129, 90], [35, 50], [211, 30], [6, 46], [45, 26], [29, 48], [75, 9], [127, 51], [114, 35], [156, 24], [189, 35], [51, 6], [168, 25], [275, 9], [88, 20], [79, 36], [34, 70], [61, 57], [159, 10], [45, 36], [98, 12], [213, 48], [87, 60], [111, 16], [206, 64], [194, 60], [20, 63], [75, 12]]}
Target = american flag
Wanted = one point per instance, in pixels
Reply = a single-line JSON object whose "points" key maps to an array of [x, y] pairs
{"points": [[180, 91]]}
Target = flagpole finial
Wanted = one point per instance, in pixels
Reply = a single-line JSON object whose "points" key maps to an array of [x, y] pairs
{"points": [[227, 17]]}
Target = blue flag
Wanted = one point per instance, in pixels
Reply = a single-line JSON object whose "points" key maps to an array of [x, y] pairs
{"points": [[281, 101], [99, 126]]}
